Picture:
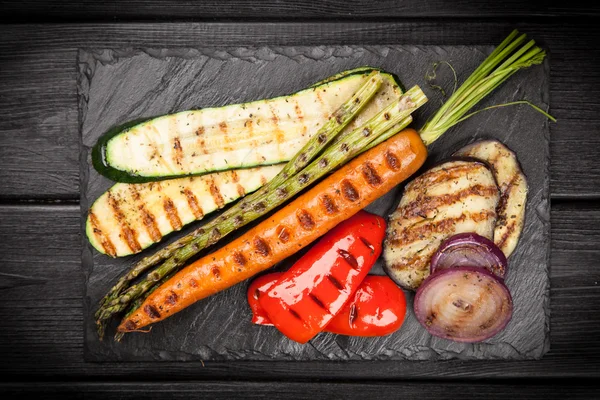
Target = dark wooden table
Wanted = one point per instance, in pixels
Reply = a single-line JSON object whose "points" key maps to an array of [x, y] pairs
{"points": [[41, 279]]}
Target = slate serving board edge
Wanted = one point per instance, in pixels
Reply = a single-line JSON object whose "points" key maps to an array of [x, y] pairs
{"points": [[88, 59]]}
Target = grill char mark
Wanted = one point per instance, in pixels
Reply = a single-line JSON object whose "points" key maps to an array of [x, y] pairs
{"points": [[126, 232], [328, 204], [370, 175], [306, 220], [215, 193], [283, 234], [295, 314], [298, 110], [349, 258], [349, 191], [261, 247], [335, 282], [105, 242], [223, 127], [235, 178], [193, 203], [148, 218], [368, 244], [392, 161], [240, 190], [452, 172], [318, 301], [151, 311], [178, 151], [172, 213], [505, 193], [172, 298], [409, 236], [420, 208], [239, 258], [509, 231]]}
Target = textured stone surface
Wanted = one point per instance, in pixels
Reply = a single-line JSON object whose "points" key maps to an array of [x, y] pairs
{"points": [[116, 86]]}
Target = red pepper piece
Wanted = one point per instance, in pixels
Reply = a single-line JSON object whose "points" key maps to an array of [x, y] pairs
{"points": [[306, 297], [378, 307], [257, 288]]}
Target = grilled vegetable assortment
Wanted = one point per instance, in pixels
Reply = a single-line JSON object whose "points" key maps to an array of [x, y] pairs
{"points": [[346, 144], [450, 237], [343, 149], [309, 216], [141, 201]]}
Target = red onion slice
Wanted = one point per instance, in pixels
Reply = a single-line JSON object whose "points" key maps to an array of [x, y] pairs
{"points": [[463, 304], [469, 250]]}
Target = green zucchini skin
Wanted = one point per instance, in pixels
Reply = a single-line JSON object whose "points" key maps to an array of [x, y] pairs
{"points": [[98, 156], [365, 70], [102, 163]]}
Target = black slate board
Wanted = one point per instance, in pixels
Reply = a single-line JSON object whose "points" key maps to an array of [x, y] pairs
{"points": [[116, 86]]}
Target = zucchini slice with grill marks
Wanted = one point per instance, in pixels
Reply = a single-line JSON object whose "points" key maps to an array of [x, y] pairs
{"points": [[262, 132], [130, 217]]}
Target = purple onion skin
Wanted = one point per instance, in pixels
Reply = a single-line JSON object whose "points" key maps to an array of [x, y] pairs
{"points": [[469, 250], [431, 320]]}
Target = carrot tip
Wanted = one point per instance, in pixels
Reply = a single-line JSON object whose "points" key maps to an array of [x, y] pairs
{"points": [[122, 328]]}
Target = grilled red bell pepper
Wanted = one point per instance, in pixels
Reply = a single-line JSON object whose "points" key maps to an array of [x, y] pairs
{"points": [[306, 297], [257, 288], [377, 308]]}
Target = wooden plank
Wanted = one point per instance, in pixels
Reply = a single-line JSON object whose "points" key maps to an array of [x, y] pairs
{"points": [[87, 10], [302, 390], [39, 137], [41, 334]]}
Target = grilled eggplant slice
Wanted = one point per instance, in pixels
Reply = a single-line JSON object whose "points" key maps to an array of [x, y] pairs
{"points": [[513, 190], [128, 218], [454, 197]]}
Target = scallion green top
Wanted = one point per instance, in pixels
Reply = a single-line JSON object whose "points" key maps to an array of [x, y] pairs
{"points": [[513, 54]]}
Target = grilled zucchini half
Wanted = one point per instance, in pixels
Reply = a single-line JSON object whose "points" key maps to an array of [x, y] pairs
{"points": [[454, 197], [128, 218], [513, 190], [262, 132]]}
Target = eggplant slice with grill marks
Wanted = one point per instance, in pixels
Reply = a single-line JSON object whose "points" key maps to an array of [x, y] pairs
{"points": [[453, 197], [513, 190]]}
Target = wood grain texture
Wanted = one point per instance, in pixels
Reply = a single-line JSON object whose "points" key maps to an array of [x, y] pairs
{"points": [[300, 390], [41, 335], [87, 10], [39, 132]]}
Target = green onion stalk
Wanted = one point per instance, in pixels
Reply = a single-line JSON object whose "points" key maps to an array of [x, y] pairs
{"points": [[513, 54]]}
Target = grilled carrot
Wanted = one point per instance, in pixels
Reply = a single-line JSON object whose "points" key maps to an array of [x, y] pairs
{"points": [[308, 217]]}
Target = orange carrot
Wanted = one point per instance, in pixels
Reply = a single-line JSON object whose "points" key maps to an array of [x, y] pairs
{"points": [[309, 216]]}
